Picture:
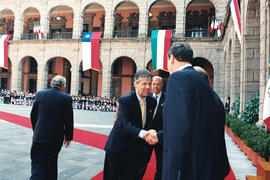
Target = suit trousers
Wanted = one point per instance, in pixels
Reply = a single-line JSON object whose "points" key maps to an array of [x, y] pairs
{"points": [[44, 161], [120, 168], [148, 153]]}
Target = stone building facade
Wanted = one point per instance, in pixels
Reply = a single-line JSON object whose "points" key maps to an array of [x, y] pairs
{"points": [[235, 68]]}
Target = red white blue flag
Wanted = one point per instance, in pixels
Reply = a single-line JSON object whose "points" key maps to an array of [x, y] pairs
{"points": [[4, 51], [90, 50], [236, 17]]}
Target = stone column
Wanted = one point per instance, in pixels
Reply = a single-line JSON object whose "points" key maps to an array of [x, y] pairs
{"points": [[108, 25], [75, 79], [228, 73], [235, 64], [180, 18], [42, 76], [18, 25], [77, 22], [143, 19], [45, 19]]}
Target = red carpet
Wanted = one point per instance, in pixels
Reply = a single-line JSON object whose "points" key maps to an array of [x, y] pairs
{"points": [[91, 139]]}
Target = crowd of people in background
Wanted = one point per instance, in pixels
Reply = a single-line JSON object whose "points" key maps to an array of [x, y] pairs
{"points": [[83, 102]]}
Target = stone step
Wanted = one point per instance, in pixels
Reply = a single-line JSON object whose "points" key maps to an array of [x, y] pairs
{"points": [[263, 170], [248, 177]]}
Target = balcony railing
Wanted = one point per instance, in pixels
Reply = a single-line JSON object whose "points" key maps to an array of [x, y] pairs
{"points": [[125, 34], [200, 33], [67, 35], [29, 37]]}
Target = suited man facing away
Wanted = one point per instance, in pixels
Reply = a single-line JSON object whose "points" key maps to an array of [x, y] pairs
{"points": [[52, 123], [125, 145], [190, 123], [155, 138]]}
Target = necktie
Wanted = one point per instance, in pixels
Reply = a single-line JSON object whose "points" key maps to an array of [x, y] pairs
{"points": [[143, 112]]}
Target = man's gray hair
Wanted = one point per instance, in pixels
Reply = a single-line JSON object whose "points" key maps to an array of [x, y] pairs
{"points": [[202, 71], [158, 77], [58, 81], [144, 73]]}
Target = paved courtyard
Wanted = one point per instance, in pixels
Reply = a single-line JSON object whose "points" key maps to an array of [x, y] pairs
{"points": [[79, 161]]}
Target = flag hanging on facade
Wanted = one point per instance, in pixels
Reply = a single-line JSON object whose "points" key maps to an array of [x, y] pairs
{"points": [[4, 50], [219, 29], [160, 45], [236, 17], [90, 50], [212, 25]]}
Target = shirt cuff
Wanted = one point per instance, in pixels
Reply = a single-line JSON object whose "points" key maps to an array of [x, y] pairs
{"points": [[141, 133]]}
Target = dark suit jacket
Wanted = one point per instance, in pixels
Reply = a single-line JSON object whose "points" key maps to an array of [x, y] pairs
{"points": [[157, 122], [191, 129], [124, 134], [52, 117]]}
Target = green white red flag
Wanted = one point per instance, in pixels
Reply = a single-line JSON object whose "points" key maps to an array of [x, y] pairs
{"points": [[160, 45], [4, 50]]}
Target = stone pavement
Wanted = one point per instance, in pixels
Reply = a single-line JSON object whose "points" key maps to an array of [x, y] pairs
{"points": [[78, 162]]}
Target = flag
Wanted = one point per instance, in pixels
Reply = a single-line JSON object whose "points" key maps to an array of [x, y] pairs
{"points": [[219, 29], [212, 25], [216, 24], [236, 17], [160, 45], [4, 51], [40, 32], [90, 50], [266, 104]]}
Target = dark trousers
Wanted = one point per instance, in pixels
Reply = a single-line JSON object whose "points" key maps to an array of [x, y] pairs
{"points": [[120, 168], [148, 154], [44, 161]]}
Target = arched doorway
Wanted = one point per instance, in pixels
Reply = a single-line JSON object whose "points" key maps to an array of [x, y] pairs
{"points": [[29, 74], [61, 23], [94, 18], [126, 20], [164, 74], [91, 81], [199, 14], [5, 76], [31, 17], [161, 15], [59, 66], [207, 66], [123, 71], [7, 22]]}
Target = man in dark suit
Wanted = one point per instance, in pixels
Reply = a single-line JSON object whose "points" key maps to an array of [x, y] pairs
{"points": [[52, 123], [190, 123], [222, 151], [155, 138], [125, 145]]}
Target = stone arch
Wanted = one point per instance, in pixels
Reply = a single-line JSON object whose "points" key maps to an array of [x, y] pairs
{"points": [[187, 3], [30, 17], [28, 68], [61, 21], [58, 65], [91, 81], [126, 19], [6, 76], [7, 19], [161, 15], [93, 17], [198, 19], [207, 66], [123, 71]]}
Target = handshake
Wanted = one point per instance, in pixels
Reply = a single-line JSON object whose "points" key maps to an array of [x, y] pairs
{"points": [[150, 137]]}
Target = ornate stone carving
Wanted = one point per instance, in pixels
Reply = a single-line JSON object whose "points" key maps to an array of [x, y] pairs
{"points": [[118, 22], [6, 25], [133, 21], [166, 19]]}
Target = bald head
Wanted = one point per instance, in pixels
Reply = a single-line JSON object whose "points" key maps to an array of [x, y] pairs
{"points": [[203, 73]]}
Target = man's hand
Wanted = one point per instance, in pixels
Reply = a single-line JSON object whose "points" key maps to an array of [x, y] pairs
{"points": [[66, 143], [151, 137]]}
